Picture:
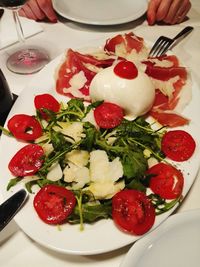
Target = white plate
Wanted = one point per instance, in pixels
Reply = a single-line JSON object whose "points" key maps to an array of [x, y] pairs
{"points": [[102, 236], [101, 12], [175, 243]]}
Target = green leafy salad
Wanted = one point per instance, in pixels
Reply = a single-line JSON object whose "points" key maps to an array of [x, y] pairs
{"points": [[95, 163]]}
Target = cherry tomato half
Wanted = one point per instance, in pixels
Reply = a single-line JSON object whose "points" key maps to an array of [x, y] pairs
{"points": [[166, 181], [54, 204], [24, 127], [133, 212], [126, 69], [108, 115], [46, 101], [27, 161], [178, 145]]}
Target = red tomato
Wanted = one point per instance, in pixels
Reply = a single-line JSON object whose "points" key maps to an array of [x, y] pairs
{"points": [[108, 115], [27, 161], [166, 181], [54, 204], [133, 212], [46, 101], [24, 127], [126, 69], [178, 145]]}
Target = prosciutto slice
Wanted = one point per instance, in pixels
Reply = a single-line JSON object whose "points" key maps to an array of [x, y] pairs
{"points": [[169, 78], [169, 119], [128, 42], [76, 63]]}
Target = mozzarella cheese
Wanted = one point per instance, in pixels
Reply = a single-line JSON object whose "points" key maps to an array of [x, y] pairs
{"points": [[135, 96]]}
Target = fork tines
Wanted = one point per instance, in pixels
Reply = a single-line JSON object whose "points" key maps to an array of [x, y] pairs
{"points": [[160, 47]]}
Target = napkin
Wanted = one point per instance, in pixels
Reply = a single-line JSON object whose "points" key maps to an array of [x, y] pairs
{"points": [[8, 34]]}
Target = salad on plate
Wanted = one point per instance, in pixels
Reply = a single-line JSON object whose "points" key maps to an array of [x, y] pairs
{"points": [[113, 148]]}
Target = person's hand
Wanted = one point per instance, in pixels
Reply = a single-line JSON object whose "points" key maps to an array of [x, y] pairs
{"points": [[167, 11], [38, 10]]}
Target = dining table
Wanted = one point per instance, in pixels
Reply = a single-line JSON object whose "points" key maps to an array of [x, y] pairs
{"points": [[16, 248]]}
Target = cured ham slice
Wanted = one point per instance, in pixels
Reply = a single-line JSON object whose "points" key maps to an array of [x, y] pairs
{"points": [[74, 75], [129, 40], [169, 79], [169, 119], [126, 46]]}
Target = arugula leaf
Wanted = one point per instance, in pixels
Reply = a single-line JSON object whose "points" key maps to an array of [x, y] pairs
{"points": [[93, 105], [161, 205], [29, 185], [5, 131], [90, 135], [13, 182], [134, 164], [76, 105], [137, 185], [75, 111], [91, 212], [58, 140]]}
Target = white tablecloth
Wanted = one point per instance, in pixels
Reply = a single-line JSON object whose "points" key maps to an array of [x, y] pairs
{"points": [[18, 249]]}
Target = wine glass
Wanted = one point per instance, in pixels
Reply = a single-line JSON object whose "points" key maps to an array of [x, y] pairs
{"points": [[27, 59]]}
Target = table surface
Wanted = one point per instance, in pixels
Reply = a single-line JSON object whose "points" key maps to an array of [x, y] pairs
{"points": [[18, 249]]}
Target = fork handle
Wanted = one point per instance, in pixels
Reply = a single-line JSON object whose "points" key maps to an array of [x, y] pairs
{"points": [[185, 31]]}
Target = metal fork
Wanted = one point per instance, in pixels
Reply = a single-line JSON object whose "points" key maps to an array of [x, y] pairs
{"points": [[164, 43]]}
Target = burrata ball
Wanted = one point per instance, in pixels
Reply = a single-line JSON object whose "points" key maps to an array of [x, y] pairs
{"points": [[135, 95]]}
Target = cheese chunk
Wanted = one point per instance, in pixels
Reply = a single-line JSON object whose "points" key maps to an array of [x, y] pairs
{"points": [[55, 172], [106, 190], [71, 129], [78, 176], [104, 175], [78, 157], [103, 170]]}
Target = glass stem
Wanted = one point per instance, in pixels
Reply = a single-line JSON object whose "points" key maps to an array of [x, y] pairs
{"points": [[18, 26]]}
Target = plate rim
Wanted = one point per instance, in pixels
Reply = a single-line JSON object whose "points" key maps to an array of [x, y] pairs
{"points": [[86, 21], [170, 223]]}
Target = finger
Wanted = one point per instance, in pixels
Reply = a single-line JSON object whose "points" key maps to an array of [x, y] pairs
{"points": [[176, 7], [27, 12], [39, 14], [152, 10], [21, 13], [163, 9], [47, 7], [180, 12], [183, 15]]}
